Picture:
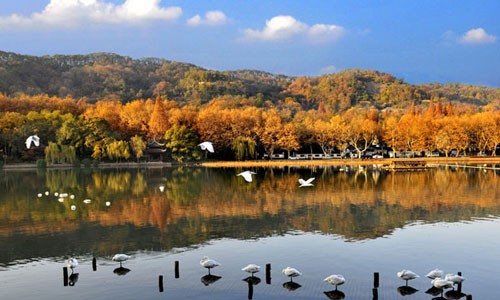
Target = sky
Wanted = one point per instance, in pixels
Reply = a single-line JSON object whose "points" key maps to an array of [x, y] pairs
{"points": [[419, 41]]}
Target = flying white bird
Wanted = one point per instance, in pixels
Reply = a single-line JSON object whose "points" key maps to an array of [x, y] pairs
{"points": [[251, 268], [208, 263], [407, 275], [87, 201], [207, 146], [307, 182], [247, 175], [162, 188], [32, 139], [291, 272], [436, 273], [72, 263], [120, 258], [335, 279]]}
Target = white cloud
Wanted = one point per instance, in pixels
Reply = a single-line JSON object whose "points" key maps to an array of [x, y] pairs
{"points": [[73, 13], [212, 18], [477, 36], [286, 27], [329, 70]]}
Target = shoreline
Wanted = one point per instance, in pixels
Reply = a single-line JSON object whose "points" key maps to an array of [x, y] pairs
{"points": [[491, 160]]}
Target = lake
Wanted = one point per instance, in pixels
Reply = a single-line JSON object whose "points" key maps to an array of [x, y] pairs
{"points": [[352, 221]]}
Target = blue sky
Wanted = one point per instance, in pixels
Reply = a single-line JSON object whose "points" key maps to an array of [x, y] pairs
{"points": [[416, 40]]}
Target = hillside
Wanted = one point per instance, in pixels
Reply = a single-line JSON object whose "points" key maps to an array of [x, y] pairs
{"points": [[100, 76]]}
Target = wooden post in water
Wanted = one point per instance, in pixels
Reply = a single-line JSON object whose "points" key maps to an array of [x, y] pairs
{"points": [[375, 293], [160, 283], [65, 276], [376, 277], [176, 269], [468, 297], [250, 289], [268, 273], [459, 287], [94, 264]]}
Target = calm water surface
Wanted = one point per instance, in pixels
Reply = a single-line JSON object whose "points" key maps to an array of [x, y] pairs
{"points": [[353, 223]]}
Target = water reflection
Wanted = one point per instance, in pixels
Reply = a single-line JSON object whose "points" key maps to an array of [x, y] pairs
{"points": [[335, 295], [406, 290], [209, 279], [121, 271], [199, 204], [73, 278], [291, 285]]}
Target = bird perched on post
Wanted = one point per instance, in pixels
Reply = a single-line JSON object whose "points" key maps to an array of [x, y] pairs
{"points": [[208, 263], [407, 275], [291, 272], [251, 268]]}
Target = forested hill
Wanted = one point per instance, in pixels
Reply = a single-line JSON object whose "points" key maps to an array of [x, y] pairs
{"points": [[110, 76]]}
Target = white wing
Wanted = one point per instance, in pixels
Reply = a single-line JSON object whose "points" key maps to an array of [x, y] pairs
{"points": [[36, 140], [28, 141], [207, 146], [247, 175]]}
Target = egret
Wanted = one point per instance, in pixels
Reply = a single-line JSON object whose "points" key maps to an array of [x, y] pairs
{"points": [[207, 146], [87, 201], [247, 175], [441, 284], [73, 207], [208, 263], [40, 195], [72, 196], [251, 268], [72, 263], [335, 279], [32, 139], [120, 258], [108, 203], [307, 182], [60, 200], [47, 193], [456, 279], [407, 275], [435, 274], [291, 272], [162, 188]]}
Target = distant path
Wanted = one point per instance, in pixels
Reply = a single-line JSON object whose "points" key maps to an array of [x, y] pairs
{"points": [[493, 160]]}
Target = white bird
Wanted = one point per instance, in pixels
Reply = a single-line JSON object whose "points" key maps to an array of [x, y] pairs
{"points": [[251, 268], [207, 146], [87, 201], [73, 207], [307, 182], [442, 283], [39, 195], [120, 258], [335, 279], [208, 263], [247, 175], [72, 263], [436, 273], [162, 188], [407, 275], [291, 272], [32, 139], [72, 196], [108, 203], [47, 193], [456, 279], [60, 200]]}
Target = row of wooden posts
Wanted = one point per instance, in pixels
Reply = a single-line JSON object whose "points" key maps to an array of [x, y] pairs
{"points": [[376, 280]]}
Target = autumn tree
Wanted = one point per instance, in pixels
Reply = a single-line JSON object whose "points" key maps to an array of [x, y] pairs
{"points": [[158, 124]]}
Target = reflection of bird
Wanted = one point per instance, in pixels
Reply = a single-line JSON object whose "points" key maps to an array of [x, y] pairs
{"points": [[253, 280], [456, 279], [120, 271], [433, 291], [291, 272], [435, 274], [307, 182], [407, 275], [73, 278], [335, 279], [32, 139], [406, 290], [209, 279], [208, 263], [251, 268], [453, 294], [120, 258], [72, 263], [291, 286], [335, 295], [247, 175], [207, 146]]}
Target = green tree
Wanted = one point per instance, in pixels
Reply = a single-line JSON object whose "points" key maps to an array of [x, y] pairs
{"points": [[138, 146], [182, 142]]}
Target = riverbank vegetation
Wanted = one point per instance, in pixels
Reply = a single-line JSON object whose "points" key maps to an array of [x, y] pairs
{"points": [[246, 114]]}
